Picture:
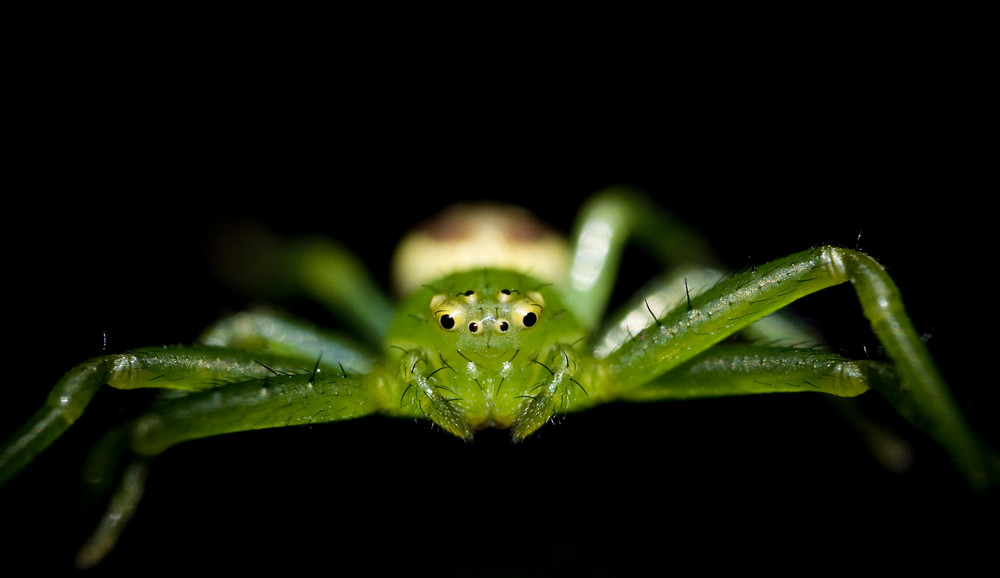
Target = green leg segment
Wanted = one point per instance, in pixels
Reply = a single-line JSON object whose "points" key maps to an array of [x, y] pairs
{"points": [[272, 269], [606, 222], [920, 393], [277, 400], [120, 509], [748, 369], [184, 369], [214, 390], [278, 334], [337, 278], [63, 406]]}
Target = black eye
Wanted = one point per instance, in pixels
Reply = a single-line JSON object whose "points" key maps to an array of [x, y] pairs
{"points": [[503, 326], [447, 321], [529, 319], [473, 327]]}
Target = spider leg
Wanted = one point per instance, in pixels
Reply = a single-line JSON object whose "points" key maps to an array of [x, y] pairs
{"points": [[182, 369], [276, 400], [212, 390], [675, 291], [741, 369], [606, 222], [277, 333], [747, 369], [267, 267], [336, 277], [121, 507], [919, 394]]}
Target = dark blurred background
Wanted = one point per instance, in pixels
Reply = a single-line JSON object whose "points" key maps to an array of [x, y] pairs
{"points": [[122, 193]]}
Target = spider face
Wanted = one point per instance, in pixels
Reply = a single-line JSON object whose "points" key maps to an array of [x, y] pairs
{"points": [[494, 337], [482, 313]]}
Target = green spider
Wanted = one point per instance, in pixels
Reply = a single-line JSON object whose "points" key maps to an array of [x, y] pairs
{"points": [[507, 340]]}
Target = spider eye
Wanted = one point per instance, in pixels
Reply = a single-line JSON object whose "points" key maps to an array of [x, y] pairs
{"points": [[504, 326], [473, 327], [447, 321], [529, 319]]}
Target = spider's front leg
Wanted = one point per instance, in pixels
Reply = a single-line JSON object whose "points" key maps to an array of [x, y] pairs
{"points": [[677, 355], [214, 390], [677, 351], [178, 368], [280, 399]]}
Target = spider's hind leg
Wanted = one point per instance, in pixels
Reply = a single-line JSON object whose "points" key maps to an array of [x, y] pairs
{"points": [[123, 502], [266, 267]]}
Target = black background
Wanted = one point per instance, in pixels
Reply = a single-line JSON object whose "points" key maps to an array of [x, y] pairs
{"points": [[127, 189]]}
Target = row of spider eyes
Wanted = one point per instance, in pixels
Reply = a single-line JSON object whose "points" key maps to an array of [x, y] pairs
{"points": [[448, 322], [528, 320]]}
